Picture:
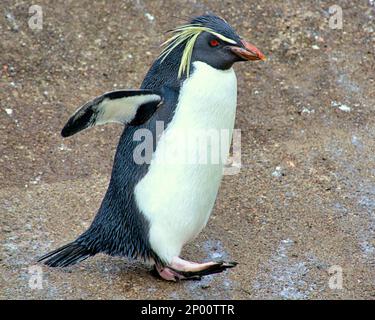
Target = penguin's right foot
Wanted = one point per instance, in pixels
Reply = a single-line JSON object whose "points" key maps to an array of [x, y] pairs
{"points": [[170, 274], [180, 269]]}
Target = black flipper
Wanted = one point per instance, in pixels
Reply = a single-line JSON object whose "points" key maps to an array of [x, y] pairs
{"points": [[132, 107], [67, 255]]}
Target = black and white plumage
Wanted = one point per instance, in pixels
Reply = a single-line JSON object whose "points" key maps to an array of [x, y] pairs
{"points": [[152, 209]]}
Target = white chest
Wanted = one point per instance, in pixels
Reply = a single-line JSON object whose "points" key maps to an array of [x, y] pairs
{"points": [[178, 192]]}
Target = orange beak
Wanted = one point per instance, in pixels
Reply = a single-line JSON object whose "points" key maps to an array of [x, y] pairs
{"points": [[249, 52]]}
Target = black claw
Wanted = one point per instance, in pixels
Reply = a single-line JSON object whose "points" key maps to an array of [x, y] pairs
{"points": [[194, 277], [230, 264]]}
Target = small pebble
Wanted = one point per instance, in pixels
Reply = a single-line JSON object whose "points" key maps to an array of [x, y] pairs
{"points": [[307, 111], [149, 16], [341, 106], [277, 173]]}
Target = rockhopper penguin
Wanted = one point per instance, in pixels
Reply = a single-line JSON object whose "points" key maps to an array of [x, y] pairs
{"points": [[153, 208]]}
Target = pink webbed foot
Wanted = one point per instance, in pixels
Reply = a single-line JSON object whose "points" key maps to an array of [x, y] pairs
{"points": [[180, 269]]}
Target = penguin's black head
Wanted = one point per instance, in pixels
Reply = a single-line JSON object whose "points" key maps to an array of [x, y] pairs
{"points": [[223, 47], [209, 39]]}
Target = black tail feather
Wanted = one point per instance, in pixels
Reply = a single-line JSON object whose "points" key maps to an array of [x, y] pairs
{"points": [[67, 255]]}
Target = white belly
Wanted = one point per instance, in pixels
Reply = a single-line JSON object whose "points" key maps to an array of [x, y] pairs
{"points": [[178, 193]]}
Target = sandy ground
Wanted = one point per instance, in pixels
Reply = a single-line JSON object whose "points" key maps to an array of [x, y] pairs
{"points": [[303, 202]]}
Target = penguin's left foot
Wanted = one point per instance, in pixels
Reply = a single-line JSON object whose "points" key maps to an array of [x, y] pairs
{"points": [[180, 269]]}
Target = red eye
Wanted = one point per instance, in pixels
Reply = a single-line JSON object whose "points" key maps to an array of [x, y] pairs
{"points": [[214, 43]]}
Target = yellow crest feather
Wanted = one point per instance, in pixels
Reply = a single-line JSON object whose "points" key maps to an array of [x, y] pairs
{"points": [[187, 34]]}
